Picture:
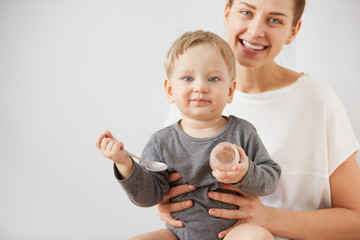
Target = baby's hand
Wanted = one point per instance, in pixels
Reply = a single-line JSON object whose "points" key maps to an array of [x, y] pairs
{"points": [[237, 173], [112, 148]]}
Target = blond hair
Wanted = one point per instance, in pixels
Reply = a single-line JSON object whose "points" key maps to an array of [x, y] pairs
{"points": [[189, 39]]}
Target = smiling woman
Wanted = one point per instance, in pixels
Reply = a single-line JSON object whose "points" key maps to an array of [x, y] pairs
{"points": [[258, 32]]}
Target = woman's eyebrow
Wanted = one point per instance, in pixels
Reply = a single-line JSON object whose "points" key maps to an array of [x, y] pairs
{"points": [[271, 13], [248, 5], [278, 14]]}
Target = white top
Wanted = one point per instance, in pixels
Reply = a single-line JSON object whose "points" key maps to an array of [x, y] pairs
{"points": [[306, 130]]}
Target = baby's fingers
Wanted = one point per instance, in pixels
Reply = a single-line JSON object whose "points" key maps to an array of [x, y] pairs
{"points": [[104, 142], [108, 134], [109, 146], [99, 140], [241, 153], [222, 176]]}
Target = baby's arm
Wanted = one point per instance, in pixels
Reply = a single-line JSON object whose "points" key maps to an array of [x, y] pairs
{"points": [[258, 173], [263, 173], [144, 188], [112, 149]]}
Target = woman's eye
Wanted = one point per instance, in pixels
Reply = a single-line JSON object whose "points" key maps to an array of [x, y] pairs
{"points": [[187, 79], [246, 13], [213, 79], [274, 20]]}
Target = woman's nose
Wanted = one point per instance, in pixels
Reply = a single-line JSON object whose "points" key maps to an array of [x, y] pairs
{"points": [[256, 28]]}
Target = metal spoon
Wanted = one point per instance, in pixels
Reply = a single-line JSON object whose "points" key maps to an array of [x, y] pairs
{"points": [[151, 166]]}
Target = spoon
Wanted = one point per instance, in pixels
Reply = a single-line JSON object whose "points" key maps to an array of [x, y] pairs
{"points": [[151, 166]]}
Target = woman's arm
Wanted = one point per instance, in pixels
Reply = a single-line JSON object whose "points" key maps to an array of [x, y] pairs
{"points": [[340, 222], [165, 207]]}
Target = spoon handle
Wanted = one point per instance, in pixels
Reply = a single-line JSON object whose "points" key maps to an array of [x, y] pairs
{"points": [[130, 154]]}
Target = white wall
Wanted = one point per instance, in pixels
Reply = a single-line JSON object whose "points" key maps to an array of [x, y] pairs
{"points": [[71, 69]]}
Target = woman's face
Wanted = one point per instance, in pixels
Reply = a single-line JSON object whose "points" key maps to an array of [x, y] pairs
{"points": [[258, 29]]}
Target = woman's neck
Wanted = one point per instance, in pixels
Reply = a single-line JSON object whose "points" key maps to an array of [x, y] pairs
{"points": [[266, 78]]}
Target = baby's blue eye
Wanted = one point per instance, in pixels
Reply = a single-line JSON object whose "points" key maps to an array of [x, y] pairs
{"points": [[188, 79], [213, 79]]}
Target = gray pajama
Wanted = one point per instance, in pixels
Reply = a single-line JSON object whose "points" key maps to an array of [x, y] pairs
{"points": [[189, 156]]}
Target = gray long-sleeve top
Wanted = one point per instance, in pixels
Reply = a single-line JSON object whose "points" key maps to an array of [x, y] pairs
{"points": [[189, 156]]}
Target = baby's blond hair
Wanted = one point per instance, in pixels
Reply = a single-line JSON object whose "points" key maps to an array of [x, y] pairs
{"points": [[189, 39]]}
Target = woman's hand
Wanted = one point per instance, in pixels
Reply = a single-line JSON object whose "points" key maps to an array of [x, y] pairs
{"points": [[165, 207], [251, 210]]}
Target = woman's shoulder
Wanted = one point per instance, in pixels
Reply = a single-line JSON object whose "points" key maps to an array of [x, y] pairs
{"points": [[317, 88]]}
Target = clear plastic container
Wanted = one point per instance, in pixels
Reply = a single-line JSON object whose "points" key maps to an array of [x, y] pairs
{"points": [[224, 156]]}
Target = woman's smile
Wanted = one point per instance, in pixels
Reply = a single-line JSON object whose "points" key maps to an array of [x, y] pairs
{"points": [[252, 46]]}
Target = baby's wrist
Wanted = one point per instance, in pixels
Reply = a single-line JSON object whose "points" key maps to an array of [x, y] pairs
{"points": [[125, 169]]}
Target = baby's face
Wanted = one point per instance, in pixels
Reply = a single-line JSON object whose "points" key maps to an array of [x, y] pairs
{"points": [[200, 84]]}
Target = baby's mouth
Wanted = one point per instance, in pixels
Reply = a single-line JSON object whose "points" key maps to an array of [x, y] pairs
{"points": [[251, 46]]}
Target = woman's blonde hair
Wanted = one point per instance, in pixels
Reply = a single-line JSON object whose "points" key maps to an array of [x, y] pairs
{"points": [[189, 39]]}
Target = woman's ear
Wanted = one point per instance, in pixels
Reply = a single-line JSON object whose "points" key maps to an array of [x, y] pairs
{"points": [[232, 89], [294, 31], [226, 14], [168, 90]]}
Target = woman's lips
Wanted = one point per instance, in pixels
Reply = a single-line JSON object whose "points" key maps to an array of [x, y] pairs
{"points": [[252, 48]]}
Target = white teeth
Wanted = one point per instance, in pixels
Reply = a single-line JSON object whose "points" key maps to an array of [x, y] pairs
{"points": [[252, 47]]}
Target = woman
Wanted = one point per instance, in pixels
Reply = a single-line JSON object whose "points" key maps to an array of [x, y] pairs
{"points": [[302, 124]]}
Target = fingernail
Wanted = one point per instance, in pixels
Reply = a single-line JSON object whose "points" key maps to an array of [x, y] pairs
{"points": [[212, 212], [211, 195], [221, 235], [179, 224], [187, 203], [191, 187]]}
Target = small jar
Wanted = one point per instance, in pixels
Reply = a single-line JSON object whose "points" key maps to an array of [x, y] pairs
{"points": [[224, 156]]}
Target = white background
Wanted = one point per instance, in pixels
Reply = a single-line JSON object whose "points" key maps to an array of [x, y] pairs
{"points": [[71, 69]]}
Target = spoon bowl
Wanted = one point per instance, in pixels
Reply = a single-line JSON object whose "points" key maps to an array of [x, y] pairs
{"points": [[151, 166]]}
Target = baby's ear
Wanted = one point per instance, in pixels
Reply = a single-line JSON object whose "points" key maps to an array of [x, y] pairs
{"points": [[168, 90], [231, 91]]}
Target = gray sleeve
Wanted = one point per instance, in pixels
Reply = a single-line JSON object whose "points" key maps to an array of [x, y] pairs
{"points": [[145, 188], [264, 173]]}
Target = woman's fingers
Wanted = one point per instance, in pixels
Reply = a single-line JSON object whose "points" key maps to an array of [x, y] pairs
{"points": [[166, 217], [174, 207], [165, 207], [226, 231], [178, 190], [234, 189], [228, 214], [174, 176], [229, 198]]}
